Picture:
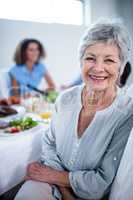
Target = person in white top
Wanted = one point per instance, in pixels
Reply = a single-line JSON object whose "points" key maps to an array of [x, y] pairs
{"points": [[83, 146]]}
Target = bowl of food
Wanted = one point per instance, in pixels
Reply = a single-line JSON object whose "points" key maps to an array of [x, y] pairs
{"points": [[17, 126]]}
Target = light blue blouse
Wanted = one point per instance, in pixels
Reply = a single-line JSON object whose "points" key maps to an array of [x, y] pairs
{"points": [[93, 159], [23, 76]]}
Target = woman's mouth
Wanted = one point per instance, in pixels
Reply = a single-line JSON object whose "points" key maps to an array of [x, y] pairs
{"points": [[97, 78]]}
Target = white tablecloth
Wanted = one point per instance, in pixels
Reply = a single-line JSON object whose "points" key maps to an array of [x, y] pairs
{"points": [[122, 188], [16, 151]]}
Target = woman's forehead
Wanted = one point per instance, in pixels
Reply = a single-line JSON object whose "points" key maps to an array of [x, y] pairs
{"points": [[33, 45], [105, 49]]}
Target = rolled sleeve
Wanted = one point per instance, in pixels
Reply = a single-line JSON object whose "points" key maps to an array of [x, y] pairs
{"points": [[94, 184], [49, 154], [14, 72]]}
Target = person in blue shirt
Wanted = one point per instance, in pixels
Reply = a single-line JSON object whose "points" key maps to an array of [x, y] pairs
{"points": [[28, 69]]}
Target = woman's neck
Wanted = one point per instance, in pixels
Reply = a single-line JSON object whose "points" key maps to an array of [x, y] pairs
{"points": [[29, 65], [98, 100]]}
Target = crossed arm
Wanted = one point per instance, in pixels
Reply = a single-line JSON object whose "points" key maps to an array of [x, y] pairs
{"points": [[38, 172], [86, 184]]}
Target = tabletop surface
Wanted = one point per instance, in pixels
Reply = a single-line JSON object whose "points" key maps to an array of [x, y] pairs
{"points": [[16, 152]]}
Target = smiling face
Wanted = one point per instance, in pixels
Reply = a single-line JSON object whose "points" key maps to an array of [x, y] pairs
{"points": [[100, 66]]}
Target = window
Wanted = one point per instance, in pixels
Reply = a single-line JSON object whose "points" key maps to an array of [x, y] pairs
{"points": [[48, 11]]}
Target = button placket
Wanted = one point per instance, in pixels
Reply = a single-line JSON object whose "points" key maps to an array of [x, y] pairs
{"points": [[74, 153]]}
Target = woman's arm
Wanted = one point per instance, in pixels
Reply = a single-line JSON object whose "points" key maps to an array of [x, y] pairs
{"points": [[67, 193], [15, 89], [94, 184], [77, 81], [50, 82], [47, 174], [90, 184], [39, 172], [49, 155]]}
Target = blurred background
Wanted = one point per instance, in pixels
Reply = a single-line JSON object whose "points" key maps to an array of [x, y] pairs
{"points": [[58, 24]]}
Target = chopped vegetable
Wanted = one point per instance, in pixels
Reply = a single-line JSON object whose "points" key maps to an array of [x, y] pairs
{"points": [[13, 130], [21, 125]]}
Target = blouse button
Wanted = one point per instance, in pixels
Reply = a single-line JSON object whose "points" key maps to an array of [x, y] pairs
{"points": [[115, 159]]}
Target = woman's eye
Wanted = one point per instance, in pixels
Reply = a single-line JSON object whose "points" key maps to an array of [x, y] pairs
{"points": [[109, 61], [89, 59]]}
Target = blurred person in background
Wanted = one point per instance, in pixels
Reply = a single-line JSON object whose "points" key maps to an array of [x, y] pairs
{"points": [[5, 98], [28, 69], [75, 82]]}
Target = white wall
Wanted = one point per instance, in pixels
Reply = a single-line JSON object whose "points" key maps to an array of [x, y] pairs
{"points": [[95, 9], [61, 42]]}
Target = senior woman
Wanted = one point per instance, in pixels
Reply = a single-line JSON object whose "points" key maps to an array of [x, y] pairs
{"points": [[89, 130]]}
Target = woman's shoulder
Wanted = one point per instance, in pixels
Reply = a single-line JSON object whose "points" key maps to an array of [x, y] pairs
{"points": [[40, 64], [16, 70], [41, 67], [16, 67], [124, 103], [69, 97]]}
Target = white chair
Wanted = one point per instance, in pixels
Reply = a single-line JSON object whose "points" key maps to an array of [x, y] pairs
{"points": [[4, 84]]}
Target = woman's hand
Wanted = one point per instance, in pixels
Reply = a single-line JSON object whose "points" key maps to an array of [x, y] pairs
{"points": [[67, 193], [38, 172]]}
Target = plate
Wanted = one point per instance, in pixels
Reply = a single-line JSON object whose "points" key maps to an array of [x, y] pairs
{"points": [[41, 125], [21, 111], [23, 133]]}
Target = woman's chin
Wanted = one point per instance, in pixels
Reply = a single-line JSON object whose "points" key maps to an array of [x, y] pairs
{"points": [[97, 87]]}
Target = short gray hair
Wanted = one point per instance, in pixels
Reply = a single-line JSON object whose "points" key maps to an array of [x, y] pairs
{"points": [[107, 31]]}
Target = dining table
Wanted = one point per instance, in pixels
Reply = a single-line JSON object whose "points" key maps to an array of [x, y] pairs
{"points": [[16, 152]]}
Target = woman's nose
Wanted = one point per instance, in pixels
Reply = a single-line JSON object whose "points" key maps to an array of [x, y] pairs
{"points": [[99, 66]]}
